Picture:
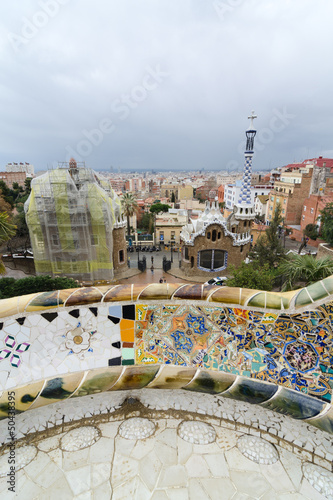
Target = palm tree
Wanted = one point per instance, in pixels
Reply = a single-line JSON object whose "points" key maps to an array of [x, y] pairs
{"points": [[7, 231], [130, 206], [305, 269]]}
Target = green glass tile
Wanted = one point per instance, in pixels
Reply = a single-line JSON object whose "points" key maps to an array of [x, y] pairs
{"points": [[251, 391], [127, 362], [46, 299], [328, 283], [317, 291], [210, 382], [323, 422], [258, 300], [295, 404], [135, 377], [273, 301], [303, 299], [127, 353], [98, 380]]}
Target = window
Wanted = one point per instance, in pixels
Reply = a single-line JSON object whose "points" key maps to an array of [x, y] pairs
{"points": [[186, 256], [94, 239], [121, 255], [208, 236], [245, 223], [161, 235], [311, 210], [214, 235], [304, 208], [303, 217], [284, 201], [219, 235], [241, 248], [55, 239], [172, 235], [212, 259], [283, 210]]}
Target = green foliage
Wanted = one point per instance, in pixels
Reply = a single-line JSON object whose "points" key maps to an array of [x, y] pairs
{"points": [[147, 223], [9, 287], [158, 208], [5, 286], [173, 197], [269, 249], [129, 206], [27, 185], [303, 270], [326, 228], [252, 276], [311, 230], [7, 229]]}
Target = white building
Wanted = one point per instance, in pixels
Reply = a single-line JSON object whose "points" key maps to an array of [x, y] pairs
{"points": [[260, 204], [21, 167], [232, 192]]}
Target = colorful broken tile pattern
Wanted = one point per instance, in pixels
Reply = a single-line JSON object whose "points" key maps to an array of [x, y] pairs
{"points": [[290, 350], [89, 336]]}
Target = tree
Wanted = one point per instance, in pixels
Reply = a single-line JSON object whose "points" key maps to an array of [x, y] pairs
{"points": [[173, 197], [7, 231], [252, 276], [326, 227], [303, 270], [158, 208], [130, 206], [147, 223], [9, 287], [269, 249]]}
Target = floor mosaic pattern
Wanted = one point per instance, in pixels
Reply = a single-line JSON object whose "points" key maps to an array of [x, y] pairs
{"points": [[164, 464]]}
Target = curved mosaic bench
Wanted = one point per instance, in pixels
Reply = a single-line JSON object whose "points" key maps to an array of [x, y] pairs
{"points": [[270, 349]]}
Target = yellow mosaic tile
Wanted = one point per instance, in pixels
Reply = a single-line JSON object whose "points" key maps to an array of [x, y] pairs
{"points": [[226, 294], [155, 291], [9, 307], [99, 380], [136, 377], [21, 397], [172, 377], [58, 388], [119, 292], [82, 296]]}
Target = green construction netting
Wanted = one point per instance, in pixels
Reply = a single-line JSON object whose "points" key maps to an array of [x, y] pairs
{"points": [[71, 214]]}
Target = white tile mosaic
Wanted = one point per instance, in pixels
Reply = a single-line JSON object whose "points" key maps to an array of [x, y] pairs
{"points": [[320, 479], [197, 432], [20, 457], [137, 428], [79, 438], [258, 450]]}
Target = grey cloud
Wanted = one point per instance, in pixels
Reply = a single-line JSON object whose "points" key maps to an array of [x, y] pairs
{"points": [[261, 54]]}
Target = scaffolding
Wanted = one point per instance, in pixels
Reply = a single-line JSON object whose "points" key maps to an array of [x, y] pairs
{"points": [[71, 213]]}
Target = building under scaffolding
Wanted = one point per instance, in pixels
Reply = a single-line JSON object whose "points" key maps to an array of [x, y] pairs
{"points": [[72, 214]]}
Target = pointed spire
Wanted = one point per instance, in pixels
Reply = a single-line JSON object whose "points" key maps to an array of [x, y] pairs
{"points": [[245, 194]]}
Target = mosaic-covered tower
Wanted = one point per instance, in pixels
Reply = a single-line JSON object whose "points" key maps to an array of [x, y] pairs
{"points": [[244, 209]]}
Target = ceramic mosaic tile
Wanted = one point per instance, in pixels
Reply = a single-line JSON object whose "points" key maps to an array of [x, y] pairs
{"points": [[52, 335]]}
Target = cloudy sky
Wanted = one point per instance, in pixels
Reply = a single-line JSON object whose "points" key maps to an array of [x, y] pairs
{"points": [[165, 84]]}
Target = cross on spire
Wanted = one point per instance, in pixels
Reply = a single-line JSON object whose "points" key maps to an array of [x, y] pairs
{"points": [[252, 117]]}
